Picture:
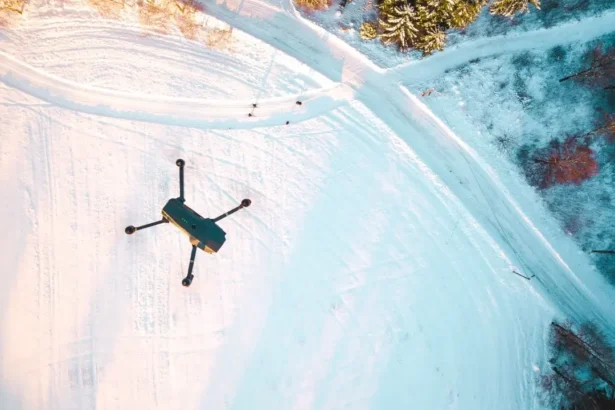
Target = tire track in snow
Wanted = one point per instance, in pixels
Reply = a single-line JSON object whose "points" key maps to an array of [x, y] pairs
{"points": [[190, 112]]}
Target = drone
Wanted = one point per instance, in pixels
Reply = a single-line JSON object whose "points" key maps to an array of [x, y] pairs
{"points": [[204, 234]]}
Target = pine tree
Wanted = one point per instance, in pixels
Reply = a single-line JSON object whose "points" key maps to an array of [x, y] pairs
{"points": [[443, 10], [465, 12], [368, 31], [422, 23], [398, 24], [432, 41], [508, 8]]}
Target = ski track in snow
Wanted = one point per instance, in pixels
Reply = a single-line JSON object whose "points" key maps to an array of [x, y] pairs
{"points": [[323, 298]]}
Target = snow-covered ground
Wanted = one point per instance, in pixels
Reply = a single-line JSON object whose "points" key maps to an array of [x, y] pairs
{"points": [[374, 268]]}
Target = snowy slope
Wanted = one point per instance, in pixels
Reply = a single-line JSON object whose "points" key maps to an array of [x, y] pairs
{"points": [[331, 291], [373, 269]]}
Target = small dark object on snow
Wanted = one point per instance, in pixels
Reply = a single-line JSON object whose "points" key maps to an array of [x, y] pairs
{"points": [[203, 232], [343, 3], [299, 103], [287, 122], [253, 105], [249, 114]]}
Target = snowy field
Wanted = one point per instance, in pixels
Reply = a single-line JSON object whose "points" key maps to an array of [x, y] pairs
{"points": [[374, 268]]}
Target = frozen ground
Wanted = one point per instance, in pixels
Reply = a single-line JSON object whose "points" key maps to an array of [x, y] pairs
{"points": [[373, 270]]}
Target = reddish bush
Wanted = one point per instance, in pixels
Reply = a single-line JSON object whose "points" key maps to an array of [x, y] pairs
{"points": [[566, 163]]}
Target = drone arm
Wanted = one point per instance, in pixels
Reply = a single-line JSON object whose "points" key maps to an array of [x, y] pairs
{"points": [[244, 204], [188, 279], [131, 229], [180, 163]]}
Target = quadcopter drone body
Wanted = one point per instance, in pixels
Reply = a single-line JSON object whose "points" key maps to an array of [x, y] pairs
{"points": [[204, 234]]}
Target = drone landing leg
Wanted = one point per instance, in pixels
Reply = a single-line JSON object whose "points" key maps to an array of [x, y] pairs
{"points": [[188, 279], [131, 229]]}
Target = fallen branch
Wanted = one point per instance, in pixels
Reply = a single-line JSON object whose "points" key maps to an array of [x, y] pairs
{"points": [[523, 276]]}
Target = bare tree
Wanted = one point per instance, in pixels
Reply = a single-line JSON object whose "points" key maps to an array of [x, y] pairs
{"points": [[583, 369], [11, 11], [601, 72], [569, 162], [108, 8], [14, 6], [606, 128]]}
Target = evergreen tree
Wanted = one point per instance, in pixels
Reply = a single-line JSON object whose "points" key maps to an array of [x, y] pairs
{"points": [[421, 24], [465, 12], [432, 41], [509, 8], [398, 24], [368, 31]]}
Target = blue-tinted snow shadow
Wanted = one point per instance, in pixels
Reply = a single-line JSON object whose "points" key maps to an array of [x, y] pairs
{"points": [[307, 295]]}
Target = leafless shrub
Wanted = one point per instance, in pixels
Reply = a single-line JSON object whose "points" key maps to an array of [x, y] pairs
{"points": [[219, 38], [601, 72], [313, 4], [11, 11], [108, 8], [155, 15], [582, 369]]}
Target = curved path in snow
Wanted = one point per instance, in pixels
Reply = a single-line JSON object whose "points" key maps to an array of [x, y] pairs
{"points": [[192, 112], [542, 39]]}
